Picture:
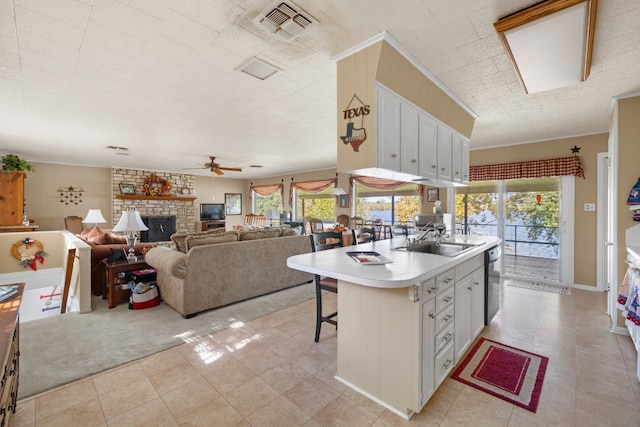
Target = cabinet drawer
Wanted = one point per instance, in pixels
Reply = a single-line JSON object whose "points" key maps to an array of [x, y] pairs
{"points": [[444, 363], [444, 337], [444, 318], [429, 288], [444, 280], [445, 298]]}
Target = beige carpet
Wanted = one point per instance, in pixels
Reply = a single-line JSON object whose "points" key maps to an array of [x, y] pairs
{"points": [[58, 350]]}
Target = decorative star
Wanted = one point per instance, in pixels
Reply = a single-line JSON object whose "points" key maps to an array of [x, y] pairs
{"points": [[575, 149]]}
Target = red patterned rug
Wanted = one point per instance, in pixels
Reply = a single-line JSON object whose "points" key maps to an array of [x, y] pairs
{"points": [[506, 372]]}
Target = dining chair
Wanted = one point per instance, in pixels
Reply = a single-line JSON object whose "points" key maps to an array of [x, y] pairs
{"points": [[343, 220], [315, 225], [363, 235], [356, 222], [320, 242]]}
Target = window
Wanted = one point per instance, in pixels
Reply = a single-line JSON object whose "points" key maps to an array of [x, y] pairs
{"points": [[320, 205], [265, 198], [394, 206]]}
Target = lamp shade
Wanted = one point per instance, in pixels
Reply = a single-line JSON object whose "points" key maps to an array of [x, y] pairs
{"points": [[130, 221], [271, 213], [338, 191], [94, 216]]}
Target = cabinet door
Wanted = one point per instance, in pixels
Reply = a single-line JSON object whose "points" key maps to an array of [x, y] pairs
{"points": [[464, 156], [477, 309], [409, 143], [445, 136], [462, 336], [12, 191], [388, 130], [428, 340], [428, 135], [456, 158]]}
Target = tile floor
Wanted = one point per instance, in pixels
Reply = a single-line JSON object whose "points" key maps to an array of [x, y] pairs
{"points": [[269, 372]]}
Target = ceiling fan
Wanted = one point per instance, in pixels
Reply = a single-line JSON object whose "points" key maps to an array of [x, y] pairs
{"points": [[216, 168]]}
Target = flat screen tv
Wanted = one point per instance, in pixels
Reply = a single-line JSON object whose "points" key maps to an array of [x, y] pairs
{"points": [[211, 211]]}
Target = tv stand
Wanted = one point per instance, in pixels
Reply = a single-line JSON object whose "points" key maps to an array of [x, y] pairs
{"points": [[210, 225]]}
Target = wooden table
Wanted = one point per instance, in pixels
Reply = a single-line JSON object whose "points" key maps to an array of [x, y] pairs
{"points": [[115, 290]]}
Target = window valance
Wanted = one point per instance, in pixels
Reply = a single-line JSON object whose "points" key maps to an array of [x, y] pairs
{"points": [[529, 169], [311, 187], [381, 184], [266, 190]]}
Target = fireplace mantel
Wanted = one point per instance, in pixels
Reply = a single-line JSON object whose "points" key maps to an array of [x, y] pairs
{"points": [[141, 197]]}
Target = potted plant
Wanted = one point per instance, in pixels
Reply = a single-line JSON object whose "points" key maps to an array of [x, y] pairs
{"points": [[12, 163]]}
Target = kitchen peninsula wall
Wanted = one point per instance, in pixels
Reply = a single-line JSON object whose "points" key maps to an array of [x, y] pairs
{"points": [[383, 60]]}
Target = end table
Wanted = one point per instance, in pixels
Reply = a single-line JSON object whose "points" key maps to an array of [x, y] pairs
{"points": [[113, 283]]}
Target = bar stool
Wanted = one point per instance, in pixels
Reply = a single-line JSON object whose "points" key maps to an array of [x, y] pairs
{"points": [[320, 242]]}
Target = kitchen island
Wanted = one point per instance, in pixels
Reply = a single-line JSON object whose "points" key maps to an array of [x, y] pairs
{"points": [[403, 325]]}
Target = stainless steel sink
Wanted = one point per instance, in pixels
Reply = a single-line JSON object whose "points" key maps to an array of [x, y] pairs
{"points": [[444, 249]]}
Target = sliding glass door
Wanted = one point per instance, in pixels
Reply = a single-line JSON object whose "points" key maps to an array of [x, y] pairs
{"points": [[527, 215]]}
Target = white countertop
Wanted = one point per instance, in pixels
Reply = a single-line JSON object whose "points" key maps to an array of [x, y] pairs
{"points": [[407, 268]]}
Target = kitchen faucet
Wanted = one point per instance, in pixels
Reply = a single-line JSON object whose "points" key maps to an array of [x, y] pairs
{"points": [[436, 231]]}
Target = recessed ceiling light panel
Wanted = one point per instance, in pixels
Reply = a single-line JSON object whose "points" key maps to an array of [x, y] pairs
{"points": [[258, 68]]}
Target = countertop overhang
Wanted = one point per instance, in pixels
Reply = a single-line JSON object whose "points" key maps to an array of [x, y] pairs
{"points": [[407, 268]]}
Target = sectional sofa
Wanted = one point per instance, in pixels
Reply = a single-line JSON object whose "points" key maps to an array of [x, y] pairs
{"points": [[210, 270]]}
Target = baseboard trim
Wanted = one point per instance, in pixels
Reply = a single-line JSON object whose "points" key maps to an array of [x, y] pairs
{"points": [[585, 287]]}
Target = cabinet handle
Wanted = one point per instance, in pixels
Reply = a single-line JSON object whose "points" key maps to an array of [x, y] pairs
{"points": [[413, 160], [441, 169], [430, 290], [457, 173], [470, 288], [447, 337], [476, 283], [431, 315], [394, 155], [447, 299], [433, 166], [447, 280], [447, 318], [447, 364]]}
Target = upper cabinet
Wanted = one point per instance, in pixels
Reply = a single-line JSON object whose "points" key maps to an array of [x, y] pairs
{"points": [[416, 145]]}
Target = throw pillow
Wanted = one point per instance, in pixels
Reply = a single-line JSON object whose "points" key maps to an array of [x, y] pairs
{"points": [[100, 239], [93, 233], [178, 240], [193, 241], [116, 238]]}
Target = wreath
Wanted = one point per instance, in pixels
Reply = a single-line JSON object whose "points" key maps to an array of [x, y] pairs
{"points": [[25, 259], [156, 186]]}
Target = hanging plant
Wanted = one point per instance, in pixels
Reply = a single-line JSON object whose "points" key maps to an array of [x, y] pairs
{"points": [[12, 163]]}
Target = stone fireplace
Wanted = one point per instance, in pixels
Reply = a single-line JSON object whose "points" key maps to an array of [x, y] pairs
{"points": [[179, 204]]}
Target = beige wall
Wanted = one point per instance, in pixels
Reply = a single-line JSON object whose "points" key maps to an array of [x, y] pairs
{"points": [[211, 189], [585, 189], [43, 201]]}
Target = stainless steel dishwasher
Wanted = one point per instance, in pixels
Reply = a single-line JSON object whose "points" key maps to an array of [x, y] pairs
{"points": [[492, 266]]}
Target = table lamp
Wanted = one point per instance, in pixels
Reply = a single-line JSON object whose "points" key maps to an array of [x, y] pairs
{"points": [[271, 214], [94, 216], [130, 222]]}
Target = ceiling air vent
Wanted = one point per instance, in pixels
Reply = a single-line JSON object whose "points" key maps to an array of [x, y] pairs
{"points": [[284, 19]]}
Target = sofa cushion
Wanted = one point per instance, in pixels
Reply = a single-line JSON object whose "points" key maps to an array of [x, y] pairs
{"points": [[295, 231], [179, 238], [200, 240], [259, 234]]}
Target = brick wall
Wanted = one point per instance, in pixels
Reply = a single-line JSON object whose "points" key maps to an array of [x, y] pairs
{"points": [[184, 210]]}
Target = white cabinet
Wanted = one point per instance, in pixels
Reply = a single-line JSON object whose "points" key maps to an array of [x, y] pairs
{"points": [[445, 141], [464, 155], [469, 297], [409, 139], [428, 135], [427, 387], [460, 159], [388, 105]]}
